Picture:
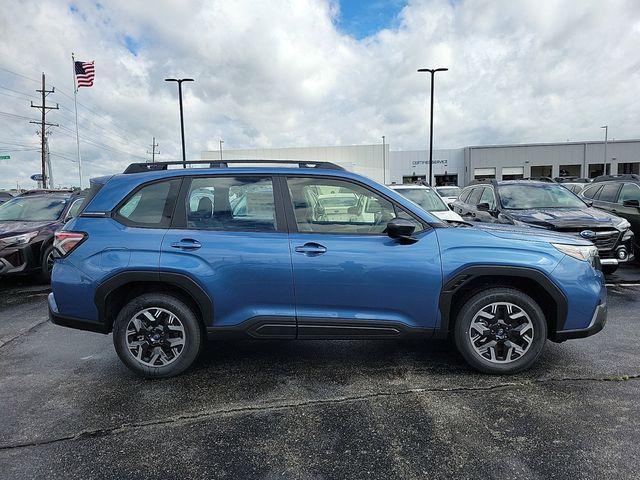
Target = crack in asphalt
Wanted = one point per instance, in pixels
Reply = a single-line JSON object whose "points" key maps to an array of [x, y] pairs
{"points": [[188, 417], [22, 333]]}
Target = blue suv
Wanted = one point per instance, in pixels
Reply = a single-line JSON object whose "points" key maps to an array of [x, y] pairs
{"points": [[166, 257]]}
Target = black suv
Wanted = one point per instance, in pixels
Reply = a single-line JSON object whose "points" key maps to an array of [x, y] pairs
{"points": [[27, 225], [619, 195], [550, 206]]}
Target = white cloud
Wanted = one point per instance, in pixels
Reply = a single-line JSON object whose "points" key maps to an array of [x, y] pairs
{"points": [[280, 74]]}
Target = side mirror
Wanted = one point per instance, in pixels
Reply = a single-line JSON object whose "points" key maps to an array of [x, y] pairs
{"points": [[483, 207], [401, 229], [631, 203]]}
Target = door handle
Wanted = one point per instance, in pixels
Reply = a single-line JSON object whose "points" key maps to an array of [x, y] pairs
{"points": [[187, 244], [311, 249]]}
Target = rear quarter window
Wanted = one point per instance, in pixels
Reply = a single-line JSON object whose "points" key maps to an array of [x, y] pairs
{"points": [[150, 206]]}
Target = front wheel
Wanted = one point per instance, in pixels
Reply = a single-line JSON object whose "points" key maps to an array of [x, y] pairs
{"points": [[500, 331], [157, 335]]}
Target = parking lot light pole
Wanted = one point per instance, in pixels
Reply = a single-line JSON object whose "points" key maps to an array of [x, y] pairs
{"points": [[432, 71], [384, 160], [606, 135], [179, 82]]}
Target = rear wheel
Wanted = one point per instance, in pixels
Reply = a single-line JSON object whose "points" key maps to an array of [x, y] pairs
{"points": [[500, 331], [157, 335]]}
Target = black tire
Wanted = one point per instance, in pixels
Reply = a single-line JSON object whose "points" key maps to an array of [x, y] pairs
{"points": [[193, 335], [482, 300], [45, 269], [609, 269]]}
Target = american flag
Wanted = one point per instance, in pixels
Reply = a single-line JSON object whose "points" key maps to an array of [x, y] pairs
{"points": [[85, 73]]}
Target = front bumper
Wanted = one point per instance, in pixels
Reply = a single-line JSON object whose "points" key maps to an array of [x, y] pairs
{"points": [[17, 259], [597, 323], [70, 322]]}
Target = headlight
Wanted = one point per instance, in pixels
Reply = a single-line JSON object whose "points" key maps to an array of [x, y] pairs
{"points": [[623, 225], [585, 253], [19, 239]]}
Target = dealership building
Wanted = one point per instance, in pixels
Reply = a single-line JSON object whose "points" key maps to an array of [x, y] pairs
{"points": [[461, 165]]}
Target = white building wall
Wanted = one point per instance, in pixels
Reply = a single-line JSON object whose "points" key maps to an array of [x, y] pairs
{"points": [[365, 160], [416, 162]]}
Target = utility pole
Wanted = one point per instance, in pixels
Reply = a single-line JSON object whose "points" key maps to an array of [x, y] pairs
{"points": [[432, 71], [48, 161], [153, 150], [606, 134], [221, 142], [43, 127], [384, 161]]}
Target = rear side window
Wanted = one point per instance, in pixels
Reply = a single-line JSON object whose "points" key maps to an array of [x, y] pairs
{"points": [[591, 191], [231, 203], [609, 193], [150, 206], [465, 194]]}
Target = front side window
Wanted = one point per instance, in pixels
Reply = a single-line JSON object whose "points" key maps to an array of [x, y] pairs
{"points": [[231, 203], [474, 198], [33, 209], [336, 206], [630, 191], [151, 206], [488, 197], [544, 195]]}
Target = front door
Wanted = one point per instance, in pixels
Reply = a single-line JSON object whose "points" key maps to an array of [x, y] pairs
{"points": [[229, 239], [351, 279]]}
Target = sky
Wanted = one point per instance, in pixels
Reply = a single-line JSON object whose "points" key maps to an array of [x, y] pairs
{"points": [[272, 73]]}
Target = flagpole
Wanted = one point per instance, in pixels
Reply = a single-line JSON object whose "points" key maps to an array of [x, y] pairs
{"points": [[75, 104]]}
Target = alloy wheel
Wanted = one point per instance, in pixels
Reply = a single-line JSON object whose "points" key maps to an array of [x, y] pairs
{"points": [[155, 337], [501, 332]]}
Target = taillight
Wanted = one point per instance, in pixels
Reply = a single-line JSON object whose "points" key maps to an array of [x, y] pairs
{"points": [[65, 242]]}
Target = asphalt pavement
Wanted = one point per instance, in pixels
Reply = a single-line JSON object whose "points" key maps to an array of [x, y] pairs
{"points": [[314, 409]]}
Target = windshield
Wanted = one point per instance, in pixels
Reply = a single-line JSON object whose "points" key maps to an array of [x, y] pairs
{"points": [[425, 198], [449, 191], [527, 196], [32, 209]]}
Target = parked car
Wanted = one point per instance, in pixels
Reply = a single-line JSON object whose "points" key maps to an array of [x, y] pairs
{"points": [[162, 273], [549, 206], [620, 196], [448, 193], [429, 200], [4, 196], [27, 225]]}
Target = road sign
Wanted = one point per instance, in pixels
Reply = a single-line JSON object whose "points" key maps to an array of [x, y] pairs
{"points": [[36, 177], [5, 157]]}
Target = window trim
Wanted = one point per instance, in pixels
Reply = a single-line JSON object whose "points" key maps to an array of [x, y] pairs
{"points": [[291, 216], [114, 213], [179, 219], [596, 188]]}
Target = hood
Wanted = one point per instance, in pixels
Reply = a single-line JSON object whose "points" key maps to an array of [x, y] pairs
{"points": [[448, 215], [565, 218], [513, 232], [16, 227]]}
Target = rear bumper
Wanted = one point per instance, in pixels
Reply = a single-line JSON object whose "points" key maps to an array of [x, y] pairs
{"points": [[597, 323], [70, 322]]}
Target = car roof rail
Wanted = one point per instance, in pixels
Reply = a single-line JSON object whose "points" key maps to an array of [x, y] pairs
{"points": [[155, 166], [484, 181], [622, 176], [43, 191], [540, 179]]}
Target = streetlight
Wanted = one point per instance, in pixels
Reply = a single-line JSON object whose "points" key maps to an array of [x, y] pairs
{"points": [[432, 71], [606, 134], [179, 82]]}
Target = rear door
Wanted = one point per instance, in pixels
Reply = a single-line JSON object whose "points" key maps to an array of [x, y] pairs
{"points": [[607, 196], [229, 235], [471, 209], [351, 279]]}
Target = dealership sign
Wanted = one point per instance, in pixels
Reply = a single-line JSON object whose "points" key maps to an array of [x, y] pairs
{"points": [[415, 163]]}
